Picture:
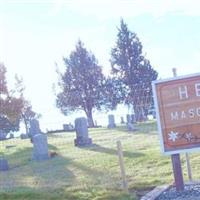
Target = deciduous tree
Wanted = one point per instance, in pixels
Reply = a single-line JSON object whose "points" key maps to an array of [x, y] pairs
{"points": [[11, 104]]}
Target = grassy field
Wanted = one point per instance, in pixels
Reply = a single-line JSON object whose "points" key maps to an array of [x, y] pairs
{"points": [[91, 172]]}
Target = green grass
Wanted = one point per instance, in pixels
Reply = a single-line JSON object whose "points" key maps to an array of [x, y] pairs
{"points": [[91, 172]]}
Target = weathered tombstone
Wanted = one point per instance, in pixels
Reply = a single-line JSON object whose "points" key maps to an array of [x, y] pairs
{"points": [[154, 114], [34, 128], [130, 125], [122, 120], [111, 121], [68, 127], [40, 147], [133, 120], [23, 136], [81, 128], [11, 135], [3, 164], [65, 127], [128, 118]]}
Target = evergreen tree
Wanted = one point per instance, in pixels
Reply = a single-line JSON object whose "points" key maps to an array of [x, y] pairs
{"points": [[133, 71], [82, 85]]}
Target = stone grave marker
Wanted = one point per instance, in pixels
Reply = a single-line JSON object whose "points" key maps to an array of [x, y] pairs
{"points": [[81, 128], [122, 120], [24, 136], [68, 127], [40, 147], [128, 118], [3, 164], [11, 135], [111, 121], [34, 128], [130, 125], [133, 120]]}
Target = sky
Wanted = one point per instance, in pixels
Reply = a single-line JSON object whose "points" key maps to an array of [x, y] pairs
{"points": [[36, 35]]}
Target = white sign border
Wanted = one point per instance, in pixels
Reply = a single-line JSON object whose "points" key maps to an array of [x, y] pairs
{"points": [[158, 115]]}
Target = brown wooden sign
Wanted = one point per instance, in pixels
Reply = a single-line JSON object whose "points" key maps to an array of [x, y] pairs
{"points": [[177, 102]]}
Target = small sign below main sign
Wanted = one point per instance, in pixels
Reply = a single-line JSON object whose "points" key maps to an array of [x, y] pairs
{"points": [[177, 102]]}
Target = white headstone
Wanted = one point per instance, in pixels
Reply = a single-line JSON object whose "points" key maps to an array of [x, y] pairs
{"points": [[68, 127], [81, 128], [3, 164], [34, 127], [111, 121], [128, 118], [122, 120], [40, 147]]}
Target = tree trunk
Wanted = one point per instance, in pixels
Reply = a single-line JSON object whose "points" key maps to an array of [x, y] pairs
{"points": [[90, 118], [139, 114], [25, 123], [26, 127]]}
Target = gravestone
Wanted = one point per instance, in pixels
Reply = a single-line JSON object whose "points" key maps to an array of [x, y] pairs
{"points": [[11, 135], [68, 127], [3, 164], [24, 136], [128, 118], [111, 121], [122, 120], [129, 123], [154, 114], [133, 120], [81, 128], [34, 128], [131, 127], [40, 147]]}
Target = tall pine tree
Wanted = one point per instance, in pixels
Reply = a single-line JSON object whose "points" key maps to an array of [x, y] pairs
{"points": [[133, 71]]}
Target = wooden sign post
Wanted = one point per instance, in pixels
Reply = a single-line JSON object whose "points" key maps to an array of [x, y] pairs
{"points": [[186, 154], [177, 102], [176, 162], [122, 167]]}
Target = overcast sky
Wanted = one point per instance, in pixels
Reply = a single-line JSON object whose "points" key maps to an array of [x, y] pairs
{"points": [[34, 35]]}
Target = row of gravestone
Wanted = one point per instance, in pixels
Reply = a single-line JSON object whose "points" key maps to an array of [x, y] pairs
{"points": [[129, 118], [34, 125], [40, 143]]}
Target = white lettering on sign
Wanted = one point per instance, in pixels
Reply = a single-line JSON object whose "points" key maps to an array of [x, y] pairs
{"points": [[174, 116], [183, 115], [183, 94], [197, 89], [190, 113]]}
